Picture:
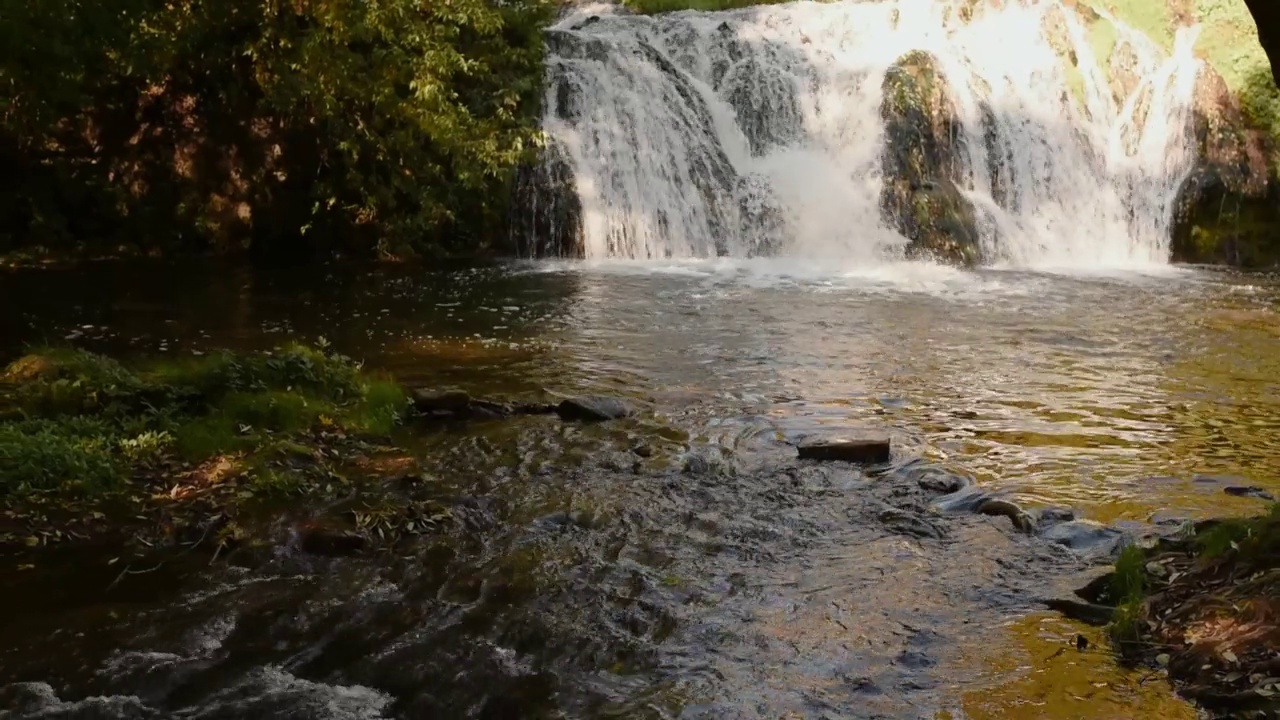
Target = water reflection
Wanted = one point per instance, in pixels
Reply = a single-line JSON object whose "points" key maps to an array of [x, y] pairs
{"points": [[754, 588]]}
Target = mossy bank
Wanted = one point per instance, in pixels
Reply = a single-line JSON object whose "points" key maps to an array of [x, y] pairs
{"points": [[1202, 607], [191, 453]]}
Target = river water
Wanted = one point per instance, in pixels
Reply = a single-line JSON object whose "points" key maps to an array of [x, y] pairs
{"points": [[711, 574]]}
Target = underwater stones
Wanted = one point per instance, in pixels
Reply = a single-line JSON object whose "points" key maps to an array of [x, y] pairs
{"points": [[1085, 537], [921, 161], [1085, 612], [594, 408], [430, 401], [317, 539], [863, 450], [904, 522], [1249, 491]]}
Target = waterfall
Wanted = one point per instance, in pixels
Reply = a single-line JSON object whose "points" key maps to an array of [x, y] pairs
{"points": [[763, 131]]}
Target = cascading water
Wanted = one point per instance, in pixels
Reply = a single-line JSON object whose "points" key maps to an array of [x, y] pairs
{"points": [[762, 132]]}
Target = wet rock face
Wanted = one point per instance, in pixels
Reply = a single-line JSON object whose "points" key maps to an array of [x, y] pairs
{"points": [[594, 408], [1226, 211], [546, 218], [922, 162]]}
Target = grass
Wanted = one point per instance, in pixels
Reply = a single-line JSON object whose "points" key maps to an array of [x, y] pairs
{"points": [[1237, 542], [1228, 41], [84, 423], [1127, 592], [1250, 537]]}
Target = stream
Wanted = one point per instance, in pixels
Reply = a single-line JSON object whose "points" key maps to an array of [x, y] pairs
{"points": [[682, 563]]}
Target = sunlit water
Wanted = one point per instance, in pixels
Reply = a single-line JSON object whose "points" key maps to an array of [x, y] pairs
{"points": [[746, 584]]}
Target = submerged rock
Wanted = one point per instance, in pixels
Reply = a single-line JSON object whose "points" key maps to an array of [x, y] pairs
{"points": [[867, 450], [1085, 612], [922, 160], [1085, 537], [1250, 491], [431, 401], [594, 408], [329, 541]]}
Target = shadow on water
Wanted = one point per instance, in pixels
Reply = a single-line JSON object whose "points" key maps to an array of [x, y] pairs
{"points": [[682, 563]]}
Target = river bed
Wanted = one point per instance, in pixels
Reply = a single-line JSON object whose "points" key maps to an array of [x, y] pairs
{"points": [[712, 574]]}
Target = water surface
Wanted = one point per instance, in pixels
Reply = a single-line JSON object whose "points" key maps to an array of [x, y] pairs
{"points": [[715, 575]]}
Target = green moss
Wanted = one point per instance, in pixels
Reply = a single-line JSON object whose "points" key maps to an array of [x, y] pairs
{"points": [[1150, 17], [1103, 38], [1248, 536], [84, 421], [71, 457]]}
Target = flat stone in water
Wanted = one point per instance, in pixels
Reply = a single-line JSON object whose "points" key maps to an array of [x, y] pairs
{"points": [[1252, 491], [866, 450], [430, 401], [594, 408]]}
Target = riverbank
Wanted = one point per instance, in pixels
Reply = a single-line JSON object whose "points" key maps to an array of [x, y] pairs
{"points": [[188, 453], [1204, 607]]}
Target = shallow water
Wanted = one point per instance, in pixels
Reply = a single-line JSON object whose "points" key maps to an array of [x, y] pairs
{"points": [[582, 580]]}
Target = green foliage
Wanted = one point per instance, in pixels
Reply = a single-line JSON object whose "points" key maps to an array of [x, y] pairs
{"points": [[344, 124], [1127, 592], [383, 406], [1247, 536], [43, 455], [86, 422]]}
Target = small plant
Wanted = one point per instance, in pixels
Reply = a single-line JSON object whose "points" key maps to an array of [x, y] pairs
{"points": [[1127, 592], [146, 448], [42, 456]]}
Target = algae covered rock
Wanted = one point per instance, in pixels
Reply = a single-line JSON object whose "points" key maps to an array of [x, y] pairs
{"points": [[921, 163], [1228, 210]]}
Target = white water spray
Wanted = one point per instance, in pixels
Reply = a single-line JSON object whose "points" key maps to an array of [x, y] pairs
{"points": [[759, 131]]}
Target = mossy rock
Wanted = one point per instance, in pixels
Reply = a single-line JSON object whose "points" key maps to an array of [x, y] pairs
{"points": [[941, 225], [1228, 210], [922, 161], [31, 368]]}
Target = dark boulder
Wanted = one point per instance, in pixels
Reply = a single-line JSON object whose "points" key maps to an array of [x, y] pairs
{"points": [[428, 401], [328, 541], [594, 408]]}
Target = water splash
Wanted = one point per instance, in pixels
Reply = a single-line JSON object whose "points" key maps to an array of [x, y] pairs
{"points": [[759, 132]]}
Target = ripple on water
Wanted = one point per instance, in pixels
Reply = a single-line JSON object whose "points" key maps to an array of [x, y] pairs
{"points": [[711, 571]]}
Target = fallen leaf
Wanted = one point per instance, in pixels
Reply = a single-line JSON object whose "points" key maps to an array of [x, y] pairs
{"points": [[1230, 657]]}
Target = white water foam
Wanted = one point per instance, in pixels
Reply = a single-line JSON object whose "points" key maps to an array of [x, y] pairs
{"points": [[758, 132]]}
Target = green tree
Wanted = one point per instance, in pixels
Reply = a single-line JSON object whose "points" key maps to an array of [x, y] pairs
{"points": [[282, 125]]}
